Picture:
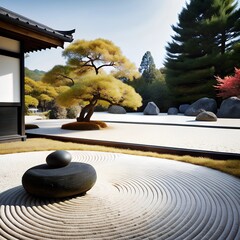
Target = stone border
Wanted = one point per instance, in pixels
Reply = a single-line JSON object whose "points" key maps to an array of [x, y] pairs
{"points": [[175, 124], [141, 147]]}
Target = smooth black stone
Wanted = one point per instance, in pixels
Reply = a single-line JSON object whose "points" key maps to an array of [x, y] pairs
{"points": [[59, 158], [73, 179]]}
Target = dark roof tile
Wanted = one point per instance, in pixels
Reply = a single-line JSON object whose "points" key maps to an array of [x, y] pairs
{"points": [[24, 22]]}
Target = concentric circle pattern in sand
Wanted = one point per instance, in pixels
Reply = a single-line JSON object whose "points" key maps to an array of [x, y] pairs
{"points": [[134, 198]]}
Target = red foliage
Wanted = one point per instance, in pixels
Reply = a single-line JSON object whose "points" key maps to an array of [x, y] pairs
{"points": [[229, 86]]}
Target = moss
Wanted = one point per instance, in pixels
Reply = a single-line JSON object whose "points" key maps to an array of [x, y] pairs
{"points": [[31, 126], [92, 125]]}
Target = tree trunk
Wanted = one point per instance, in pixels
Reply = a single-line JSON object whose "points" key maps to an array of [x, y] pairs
{"points": [[87, 111], [223, 42]]}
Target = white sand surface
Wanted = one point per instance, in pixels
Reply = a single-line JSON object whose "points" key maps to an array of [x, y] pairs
{"points": [[162, 130]]}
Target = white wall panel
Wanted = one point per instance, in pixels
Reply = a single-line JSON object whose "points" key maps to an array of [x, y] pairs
{"points": [[9, 79]]}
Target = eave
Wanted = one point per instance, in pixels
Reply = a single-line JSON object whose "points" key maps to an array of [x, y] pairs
{"points": [[35, 36]]}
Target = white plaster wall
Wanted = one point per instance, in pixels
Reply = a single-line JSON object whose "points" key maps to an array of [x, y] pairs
{"points": [[9, 79]]}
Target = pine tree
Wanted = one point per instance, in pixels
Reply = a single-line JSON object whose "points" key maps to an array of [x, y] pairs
{"points": [[93, 87], [151, 85], [147, 67], [202, 47]]}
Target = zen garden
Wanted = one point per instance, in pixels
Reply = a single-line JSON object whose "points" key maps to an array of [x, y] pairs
{"points": [[111, 150]]}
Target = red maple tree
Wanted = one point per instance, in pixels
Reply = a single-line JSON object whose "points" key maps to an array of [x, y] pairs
{"points": [[229, 86]]}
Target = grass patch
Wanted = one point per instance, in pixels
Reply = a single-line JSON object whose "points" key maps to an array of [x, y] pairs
{"points": [[231, 167], [92, 125]]}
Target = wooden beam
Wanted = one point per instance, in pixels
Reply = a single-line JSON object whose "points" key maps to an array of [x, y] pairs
{"points": [[31, 34]]}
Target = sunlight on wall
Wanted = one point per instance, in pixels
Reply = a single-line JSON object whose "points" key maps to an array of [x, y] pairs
{"points": [[9, 79]]}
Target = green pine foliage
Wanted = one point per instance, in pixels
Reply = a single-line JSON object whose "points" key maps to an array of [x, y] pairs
{"points": [[205, 44], [151, 85], [147, 63]]}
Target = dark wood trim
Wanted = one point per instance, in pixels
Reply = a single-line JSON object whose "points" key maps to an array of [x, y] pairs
{"points": [[19, 107], [10, 104], [9, 53], [11, 138], [21, 114]]}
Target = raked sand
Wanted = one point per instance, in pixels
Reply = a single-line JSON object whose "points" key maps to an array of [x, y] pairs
{"points": [[162, 130], [134, 198]]}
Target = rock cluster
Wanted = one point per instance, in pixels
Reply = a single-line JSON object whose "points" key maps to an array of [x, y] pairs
{"points": [[229, 108], [203, 104], [183, 108]]}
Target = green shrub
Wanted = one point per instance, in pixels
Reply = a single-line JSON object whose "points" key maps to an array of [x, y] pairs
{"points": [[58, 112], [73, 112]]}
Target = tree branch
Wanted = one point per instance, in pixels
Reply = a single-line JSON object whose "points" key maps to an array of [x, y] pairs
{"points": [[107, 100], [64, 76], [111, 64]]}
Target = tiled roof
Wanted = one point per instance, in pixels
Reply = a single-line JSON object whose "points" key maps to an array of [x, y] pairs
{"points": [[33, 26]]}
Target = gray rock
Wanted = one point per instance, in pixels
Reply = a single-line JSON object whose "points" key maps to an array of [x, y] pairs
{"points": [[172, 111], [183, 108], [59, 158], [206, 116], [206, 104], [151, 109], [73, 179], [115, 109], [230, 108]]}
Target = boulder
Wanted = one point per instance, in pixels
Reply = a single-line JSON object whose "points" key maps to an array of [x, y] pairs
{"points": [[183, 108], [151, 109], [115, 109], [203, 104], [73, 179], [172, 111], [230, 108], [206, 116]]}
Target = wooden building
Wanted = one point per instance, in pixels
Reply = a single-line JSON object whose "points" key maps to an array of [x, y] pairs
{"points": [[20, 35]]}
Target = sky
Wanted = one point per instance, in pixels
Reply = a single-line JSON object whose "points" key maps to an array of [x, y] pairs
{"points": [[136, 26]]}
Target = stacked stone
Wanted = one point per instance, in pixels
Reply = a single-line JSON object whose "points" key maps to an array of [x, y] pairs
{"points": [[59, 177]]}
